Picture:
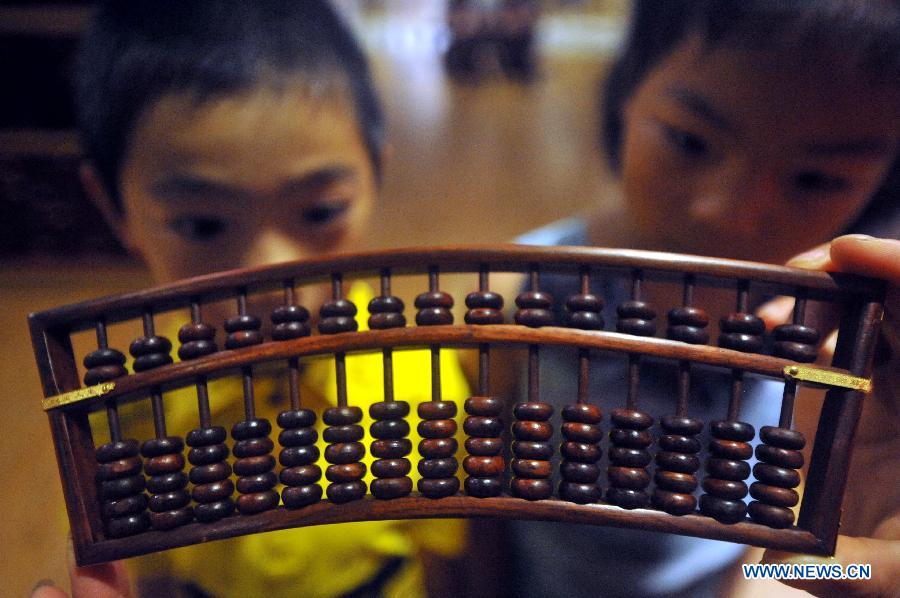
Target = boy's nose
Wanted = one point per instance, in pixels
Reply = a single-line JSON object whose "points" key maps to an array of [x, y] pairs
{"points": [[271, 246]]}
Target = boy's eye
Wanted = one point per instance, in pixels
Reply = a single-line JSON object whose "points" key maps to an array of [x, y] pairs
{"points": [[197, 228], [318, 215], [815, 181], [687, 143]]}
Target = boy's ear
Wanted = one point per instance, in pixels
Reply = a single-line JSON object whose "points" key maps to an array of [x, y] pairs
{"points": [[96, 191]]}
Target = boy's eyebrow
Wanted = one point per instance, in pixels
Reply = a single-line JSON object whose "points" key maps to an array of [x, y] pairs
{"points": [[186, 183], [320, 177], [700, 106]]}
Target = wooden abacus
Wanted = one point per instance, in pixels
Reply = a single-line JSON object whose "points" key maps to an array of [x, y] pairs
{"points": [[125, 498]]}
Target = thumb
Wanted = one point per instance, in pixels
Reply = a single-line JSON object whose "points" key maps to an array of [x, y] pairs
{"points": [[882, 556], [109, 580]]}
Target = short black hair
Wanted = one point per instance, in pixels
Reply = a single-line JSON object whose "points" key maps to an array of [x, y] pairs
{"points": [[135, 52], [866, 33]]}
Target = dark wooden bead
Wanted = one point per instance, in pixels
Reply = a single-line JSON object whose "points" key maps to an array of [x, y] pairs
{"points": [[301, 476], [390, 410], [532, 450], [213, 511], [386, 321], [579, 493], [156, 447], [630, 419], [434, 309], [674, 503], [386, 304], [341, 416], [628, 477], [120, 527], [166, 483], [728, 469], [484, 406], [150, 352], [483, 487], [122, 507], [723, 510], [627, 498], [534, 300], [250, 504], [298, 436], [577, 432], [743, 323], [773, 495], [484, 466], [484, 427], [531, 468], [206, 474], [779, 456], [484, 446], [337, 308], [584, 473], [584, 320], [169, 501], [584, 302], [580, 451], [437, 428], [776, 476], [437, 410], [484, 300], [531, 489], [104, 357], [388, 488], [196, 341], [728, 489], [344, 452], [678, 462], [782, 438], [121, 468], [532, 430], [243, 338], [242, 322], [164, 464], [206, 436], [796, 342], [103, 373], [121, 487], [533, 411], [290, 330], [773, 516], [251, 428], [678, 443], [205, 455], [438, 488], [391, 449], [346, 472], [688, 325], [629, 457], [214, 492], [730, 449], [638, 439], [337, 316], [636, 317], [391, 468], [583, 413], [337, 325], [584, 311], [302, 418], [674, 424], [114, 451], [250, 466], [284, 314], [438, 448], [296, 497], [346, 433], [732, 430], [438, 468], [389, 429], [535, 309], [253, 447], [672, 481], [482, 316], [257, 483]]}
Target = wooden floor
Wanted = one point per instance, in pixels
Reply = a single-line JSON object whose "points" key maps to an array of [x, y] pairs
{"points": [[471, 164]]}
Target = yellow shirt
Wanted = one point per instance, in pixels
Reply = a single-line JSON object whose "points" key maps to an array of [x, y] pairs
{"points": [[327, 560]]}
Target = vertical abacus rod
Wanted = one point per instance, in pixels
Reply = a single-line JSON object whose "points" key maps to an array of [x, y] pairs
{"points": [[340, 366], [246, 371], [584, 364], [387, 353], [435, 349], [484, 352], [112, 408], [293, 362], [202, 390], [634, 360], [156, 403]]}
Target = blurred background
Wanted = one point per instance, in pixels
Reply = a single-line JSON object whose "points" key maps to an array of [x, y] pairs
{"points": [[487, 144]]}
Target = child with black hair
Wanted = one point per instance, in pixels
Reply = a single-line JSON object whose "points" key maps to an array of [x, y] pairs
{"points": [[750, 130], [231, 134]]}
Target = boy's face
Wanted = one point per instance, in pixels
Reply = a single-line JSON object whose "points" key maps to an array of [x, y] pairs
{"points": [[244, 180], [752, 154]]}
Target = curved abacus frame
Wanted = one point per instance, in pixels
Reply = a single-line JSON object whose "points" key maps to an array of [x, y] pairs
{"points": [[527, 495]]}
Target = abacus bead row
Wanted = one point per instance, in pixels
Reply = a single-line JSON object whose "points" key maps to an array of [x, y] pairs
{"points": [[727, 469], [121, 486], [210, 474], [391, 472], [628, 458], [743, 332], [290, 321], [164, 464], [688, 325], [797, 342], [484, 308], [532, 450], [103, 365], [438, 449], [298, 456], [484, 464], [254, 466], [580, 451], [636, 317], [344, 452], [777, 476], [386, 311], [677, 464]]}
